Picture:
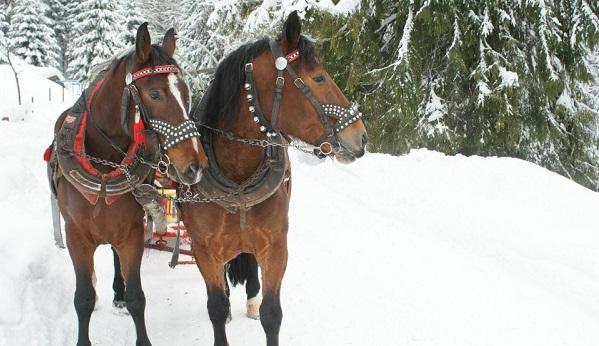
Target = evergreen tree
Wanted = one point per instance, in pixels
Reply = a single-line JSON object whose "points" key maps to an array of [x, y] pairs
{"points": [[97, 28], [163, 15], [210, 30], [3, 31], [133, 19], [31, 34], [58, 15], [498, 77]]}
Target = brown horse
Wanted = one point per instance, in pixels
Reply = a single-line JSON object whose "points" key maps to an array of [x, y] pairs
{"points": [[255, 181], [141, 95]]}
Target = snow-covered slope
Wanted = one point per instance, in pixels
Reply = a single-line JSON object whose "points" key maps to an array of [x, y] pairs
{"points": [[424, 249]]}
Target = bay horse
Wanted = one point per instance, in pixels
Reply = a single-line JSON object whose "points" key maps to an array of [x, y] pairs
{"points": [[254, 180], [138, 105]]}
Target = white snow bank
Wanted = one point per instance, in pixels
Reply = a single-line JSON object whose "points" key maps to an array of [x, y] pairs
{"points": [[423, 249], [37, 92]]}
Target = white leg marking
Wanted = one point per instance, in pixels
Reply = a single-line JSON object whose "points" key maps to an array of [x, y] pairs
{"points": [[253, 307]]}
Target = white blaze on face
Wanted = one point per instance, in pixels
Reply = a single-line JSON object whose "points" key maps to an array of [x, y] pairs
{"points": [[173, 80]]}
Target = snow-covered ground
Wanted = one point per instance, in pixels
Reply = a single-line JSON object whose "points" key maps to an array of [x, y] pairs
{"points": [[423, 249], [38, 93]]}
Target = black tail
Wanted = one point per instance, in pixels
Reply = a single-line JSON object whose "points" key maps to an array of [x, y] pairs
{"points": [[240, 269]]}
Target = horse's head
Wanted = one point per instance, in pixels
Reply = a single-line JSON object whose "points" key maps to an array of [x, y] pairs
{"points": [[312, 108], [162, 97]]}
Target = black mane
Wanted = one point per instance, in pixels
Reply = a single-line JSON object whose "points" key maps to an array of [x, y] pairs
{"points": [[221, 100]]}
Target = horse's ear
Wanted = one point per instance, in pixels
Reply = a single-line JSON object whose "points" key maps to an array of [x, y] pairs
{"points": [[292, 30], [143, 43], [169, 42]]}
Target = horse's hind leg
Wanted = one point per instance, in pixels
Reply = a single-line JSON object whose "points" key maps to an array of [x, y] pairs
{"points": [[273, 263], [118, 284], [82, 255], [130, 255], [218, 301], [252, 288]]}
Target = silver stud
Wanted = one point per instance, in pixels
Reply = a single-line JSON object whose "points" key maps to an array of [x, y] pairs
{"points": [[262, 128], [252, 109], [256, 119], [249, 97], [247, 86]]}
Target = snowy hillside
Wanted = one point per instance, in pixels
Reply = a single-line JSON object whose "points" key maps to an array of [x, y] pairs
{"points": [[423, 249]]}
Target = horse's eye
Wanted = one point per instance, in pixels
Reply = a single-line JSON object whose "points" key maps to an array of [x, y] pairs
{"points": [[155, 95], [318, 79]]}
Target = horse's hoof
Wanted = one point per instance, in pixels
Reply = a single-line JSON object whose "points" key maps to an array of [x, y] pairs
{"points": [[120, 307], [253, 308]]}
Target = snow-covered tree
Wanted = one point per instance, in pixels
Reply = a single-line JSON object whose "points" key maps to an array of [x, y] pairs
{"points": [[210, 29], [475, 77], [31, 34], [130, 10], [163, 15], [96, 38], [3, 31], [58, 15]]}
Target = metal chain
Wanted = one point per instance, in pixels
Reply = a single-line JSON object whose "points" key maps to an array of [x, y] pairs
{"points": [[125, 169], [309, 149]]}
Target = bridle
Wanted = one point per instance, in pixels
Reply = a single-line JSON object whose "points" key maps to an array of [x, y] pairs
{"points": [[345, 116], [173, 134]]}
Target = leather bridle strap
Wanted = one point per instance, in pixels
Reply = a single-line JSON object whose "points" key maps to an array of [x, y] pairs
{"points": [[345, 116], [173, 134], [298, 82]]}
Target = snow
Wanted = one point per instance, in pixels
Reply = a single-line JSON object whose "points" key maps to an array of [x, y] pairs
{"points": [[508, 78], [424, 249], [37, 92], [565, 100], [514, 279]]}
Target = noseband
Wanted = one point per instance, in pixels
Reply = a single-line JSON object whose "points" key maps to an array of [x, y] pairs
{"points": [[173, 134], [345, 116]]}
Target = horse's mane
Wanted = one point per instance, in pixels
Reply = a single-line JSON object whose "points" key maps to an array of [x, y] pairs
{"points": [[221, 100]]}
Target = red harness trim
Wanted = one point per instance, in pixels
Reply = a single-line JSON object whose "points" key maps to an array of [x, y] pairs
{"points": [[138, 128], [161, 69], [79, 143], [292, 56]]}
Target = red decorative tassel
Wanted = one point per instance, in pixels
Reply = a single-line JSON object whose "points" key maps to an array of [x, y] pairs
{"points": [[138, 130], [48, 153]]}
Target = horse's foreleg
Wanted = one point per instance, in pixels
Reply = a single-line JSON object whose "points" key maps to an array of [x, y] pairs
{"points": [[130, 255], [273, 263], [82, 255], [218, 302], [118, 284]]}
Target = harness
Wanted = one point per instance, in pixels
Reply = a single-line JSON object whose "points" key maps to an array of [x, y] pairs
{"points": [[274, 168], [67, 153]]}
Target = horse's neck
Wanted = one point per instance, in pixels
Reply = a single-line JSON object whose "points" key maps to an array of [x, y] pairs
{"points": [[105, 110], [238, 161]]}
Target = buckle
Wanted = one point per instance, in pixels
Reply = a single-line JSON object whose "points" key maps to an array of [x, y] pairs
{"points": [[249, 67], [280, 82], [299, 83]]}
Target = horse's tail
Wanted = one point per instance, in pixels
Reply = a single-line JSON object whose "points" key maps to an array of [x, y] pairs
{"points": [[239, 269]]}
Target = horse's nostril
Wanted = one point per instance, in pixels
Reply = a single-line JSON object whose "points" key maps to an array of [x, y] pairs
{"points": [[192, 171], [364, 140]]}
